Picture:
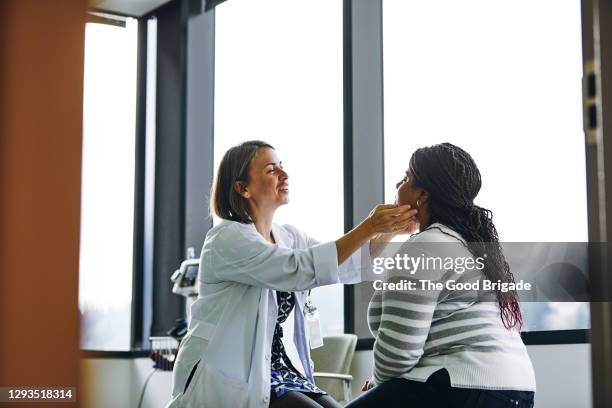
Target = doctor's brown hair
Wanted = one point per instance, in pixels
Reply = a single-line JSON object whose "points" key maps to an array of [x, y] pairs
{"points": [[234, 166]]}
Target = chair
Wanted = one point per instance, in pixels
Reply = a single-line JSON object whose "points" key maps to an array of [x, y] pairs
{"points": [[332, 363]]}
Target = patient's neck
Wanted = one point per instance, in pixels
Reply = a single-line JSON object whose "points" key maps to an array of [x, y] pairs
{"points": [[424, 218]]}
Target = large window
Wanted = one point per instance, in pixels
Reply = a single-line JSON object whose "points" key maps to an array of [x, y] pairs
{"points": [[278, 78], [107, 209], [503, 81]]}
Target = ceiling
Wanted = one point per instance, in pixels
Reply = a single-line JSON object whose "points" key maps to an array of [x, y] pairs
{"points": [[133, 8]]}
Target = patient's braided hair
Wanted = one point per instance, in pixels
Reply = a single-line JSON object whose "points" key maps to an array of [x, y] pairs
{"points": [[450, 176]]}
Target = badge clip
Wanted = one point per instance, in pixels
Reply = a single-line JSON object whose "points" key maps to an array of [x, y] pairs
{"points": [[314, 325]]}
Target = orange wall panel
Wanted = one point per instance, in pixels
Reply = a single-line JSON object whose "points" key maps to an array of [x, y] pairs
{"points": [[41, 110]]}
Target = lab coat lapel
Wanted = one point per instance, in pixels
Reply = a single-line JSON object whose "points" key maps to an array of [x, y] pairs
{"points": [[281, 237], [299, 333], [283, 240]]}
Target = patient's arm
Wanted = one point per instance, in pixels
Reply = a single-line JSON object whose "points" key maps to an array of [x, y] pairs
{"points": [[374, 312], [405, 320]]}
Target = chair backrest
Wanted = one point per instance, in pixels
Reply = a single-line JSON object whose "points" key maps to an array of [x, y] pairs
{"points": [[335, 356]]}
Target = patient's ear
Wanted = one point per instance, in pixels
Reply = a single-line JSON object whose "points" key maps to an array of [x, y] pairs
{"points": [[241, 189], [424, 198]]}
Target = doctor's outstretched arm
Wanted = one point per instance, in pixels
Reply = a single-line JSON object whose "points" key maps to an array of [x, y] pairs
{"points": [[241, 255]]}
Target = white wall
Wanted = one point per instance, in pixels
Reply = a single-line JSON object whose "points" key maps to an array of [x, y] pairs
{"points": [[118, 383], [158, 389], [106, 382], [563, 375]]}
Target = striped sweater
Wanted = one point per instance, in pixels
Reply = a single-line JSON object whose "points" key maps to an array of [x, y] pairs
{"points": [[418, 332]]}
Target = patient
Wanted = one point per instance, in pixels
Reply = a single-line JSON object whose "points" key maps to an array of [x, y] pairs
{"points": [[441, 347]]}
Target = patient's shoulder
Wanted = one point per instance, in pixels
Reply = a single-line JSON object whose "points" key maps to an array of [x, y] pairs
{"points": [[437, 233]]}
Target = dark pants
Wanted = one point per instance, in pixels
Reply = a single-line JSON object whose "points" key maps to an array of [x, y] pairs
{"points": [[296, 399], [437, 392]]}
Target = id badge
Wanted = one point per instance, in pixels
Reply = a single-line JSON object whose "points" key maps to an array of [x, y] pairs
{"points": [[314, 325]]}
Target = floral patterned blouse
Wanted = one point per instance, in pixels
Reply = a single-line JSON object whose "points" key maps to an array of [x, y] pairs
{"points": [[285, 377]]}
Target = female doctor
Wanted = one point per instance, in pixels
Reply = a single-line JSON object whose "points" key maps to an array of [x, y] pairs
{"points": [[253, 277]]}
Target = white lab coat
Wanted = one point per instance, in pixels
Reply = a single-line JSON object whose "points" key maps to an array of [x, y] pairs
{"points": [[226, 351]]}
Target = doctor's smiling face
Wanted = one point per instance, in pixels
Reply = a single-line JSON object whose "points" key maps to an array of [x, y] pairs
{"points": [[268, 184]]}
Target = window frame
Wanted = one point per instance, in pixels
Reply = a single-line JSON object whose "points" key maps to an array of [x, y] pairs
{"points": [[357, 26], [139, 188], [136, 311], [354, 32]]}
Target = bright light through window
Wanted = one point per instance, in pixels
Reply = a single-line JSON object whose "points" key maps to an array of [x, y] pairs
{"points": [[503, 81], [278, 78], [107, 201]]}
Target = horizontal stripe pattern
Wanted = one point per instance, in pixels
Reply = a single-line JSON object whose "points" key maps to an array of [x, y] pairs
{"points": [[411, 325]]}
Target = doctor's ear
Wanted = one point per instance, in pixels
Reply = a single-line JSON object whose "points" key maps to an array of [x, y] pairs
{"points": [[240, 188]]}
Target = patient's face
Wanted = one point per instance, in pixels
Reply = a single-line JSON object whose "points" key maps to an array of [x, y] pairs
{"points": [[407, 193]]}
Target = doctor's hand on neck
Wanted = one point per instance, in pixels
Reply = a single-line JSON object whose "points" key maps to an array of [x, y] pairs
{"points": [[383, 219]]}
